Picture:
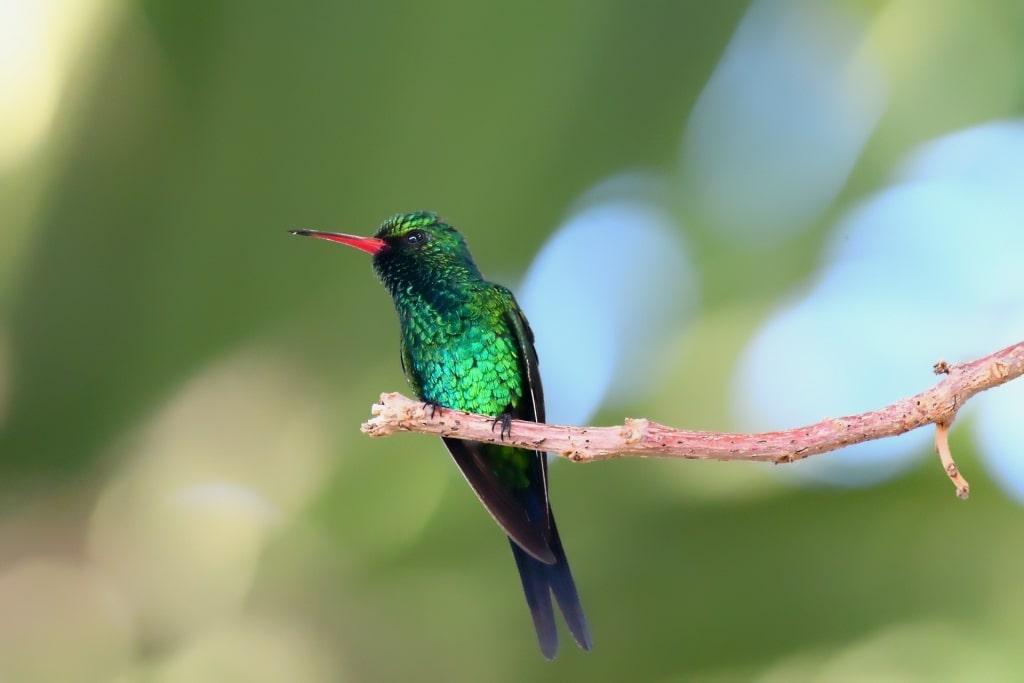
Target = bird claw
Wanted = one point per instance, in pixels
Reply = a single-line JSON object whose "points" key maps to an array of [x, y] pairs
{"points": [[506, 425], [433, 407]]}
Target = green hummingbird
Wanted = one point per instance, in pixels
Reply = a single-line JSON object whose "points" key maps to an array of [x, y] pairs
{"points": [[466, 345]]}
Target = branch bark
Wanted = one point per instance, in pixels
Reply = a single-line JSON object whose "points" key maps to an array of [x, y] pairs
{"points": [[640, 437]]}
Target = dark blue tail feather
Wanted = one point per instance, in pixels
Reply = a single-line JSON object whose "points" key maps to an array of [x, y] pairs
{"points": [[564, 588], [534, 576], [539, 582]]}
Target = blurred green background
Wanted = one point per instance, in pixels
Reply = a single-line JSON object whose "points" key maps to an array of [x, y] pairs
{"points": [[186, 495]]}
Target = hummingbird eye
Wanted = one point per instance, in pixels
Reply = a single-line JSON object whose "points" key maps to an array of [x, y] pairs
{"points": [[416, 237]]}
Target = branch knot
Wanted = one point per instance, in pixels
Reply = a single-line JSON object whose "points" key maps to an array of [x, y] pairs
{"points": [[634, 430]]}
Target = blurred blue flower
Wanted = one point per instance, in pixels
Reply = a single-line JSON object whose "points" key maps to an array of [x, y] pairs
{"points": [[601, 293], [783, 119], [928, 269]]}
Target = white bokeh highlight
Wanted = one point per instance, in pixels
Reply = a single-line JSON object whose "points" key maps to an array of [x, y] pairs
{"points": [[217, 470], [41, 47]]}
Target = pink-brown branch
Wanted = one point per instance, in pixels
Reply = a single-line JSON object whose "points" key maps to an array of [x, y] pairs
{"points": [[640, 437]]}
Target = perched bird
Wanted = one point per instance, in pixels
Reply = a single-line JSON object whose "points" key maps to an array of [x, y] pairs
{"points": [[466, 345]]}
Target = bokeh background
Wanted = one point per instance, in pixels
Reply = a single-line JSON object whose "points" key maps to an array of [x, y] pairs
{"points": [[726, 216]]}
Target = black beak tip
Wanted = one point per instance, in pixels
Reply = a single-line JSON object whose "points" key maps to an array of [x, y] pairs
{"points": [[303, 233]]}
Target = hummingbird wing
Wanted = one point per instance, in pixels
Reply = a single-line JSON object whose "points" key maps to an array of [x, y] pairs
{"points": [[524, 336], [530, 532]]}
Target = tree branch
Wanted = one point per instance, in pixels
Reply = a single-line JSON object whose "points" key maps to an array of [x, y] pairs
{"points": [[640, 437]]}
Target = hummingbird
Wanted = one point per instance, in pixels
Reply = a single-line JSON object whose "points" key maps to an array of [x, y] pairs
{"points": [[466, 345]]}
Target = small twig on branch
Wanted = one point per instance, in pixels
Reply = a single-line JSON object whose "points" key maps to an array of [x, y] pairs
{"points": [[963, 489], [640, 437]]}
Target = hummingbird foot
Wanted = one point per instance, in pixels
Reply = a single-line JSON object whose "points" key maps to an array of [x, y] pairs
{"points": [[506, 424], [434, 408]]}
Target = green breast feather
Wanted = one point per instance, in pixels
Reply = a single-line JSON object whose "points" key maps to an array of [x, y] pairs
{"points": [[464, 357]]}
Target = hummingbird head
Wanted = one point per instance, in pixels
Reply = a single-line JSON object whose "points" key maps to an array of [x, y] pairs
{"points": [[422, 252], [414, 250]]}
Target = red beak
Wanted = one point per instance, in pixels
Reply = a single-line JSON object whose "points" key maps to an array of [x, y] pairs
{"points": [[371, 245]]}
